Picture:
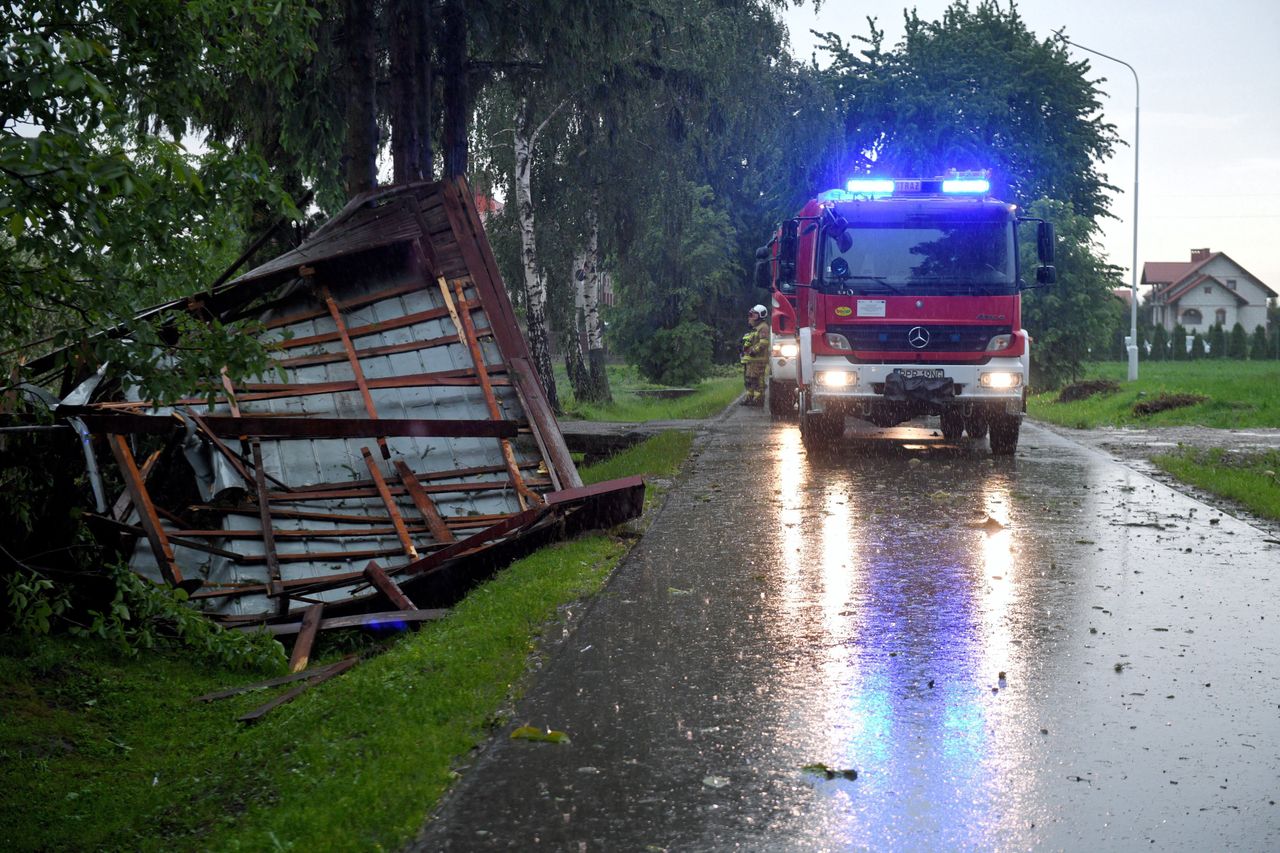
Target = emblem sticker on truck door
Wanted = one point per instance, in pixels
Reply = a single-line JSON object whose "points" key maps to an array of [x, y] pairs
{"points": [[870, 307]]}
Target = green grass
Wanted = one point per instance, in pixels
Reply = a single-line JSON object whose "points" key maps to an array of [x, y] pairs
{"points": [[711, 395], [1239, 394], [1249, 479], [102, 752]]}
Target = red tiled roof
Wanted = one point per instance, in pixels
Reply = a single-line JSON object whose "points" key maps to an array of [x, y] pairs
{"points": [[1172, 272]]}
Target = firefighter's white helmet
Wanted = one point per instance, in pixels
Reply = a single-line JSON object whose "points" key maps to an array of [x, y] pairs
{"points": [[760, 311]]}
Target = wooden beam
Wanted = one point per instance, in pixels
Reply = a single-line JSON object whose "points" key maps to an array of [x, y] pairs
{"points": [[301, 654], [467, 337], [426, 507], [354, 360], [393, 509], [274, 588], [137, 491], [122, 505], [388, 587], [287, 427]]}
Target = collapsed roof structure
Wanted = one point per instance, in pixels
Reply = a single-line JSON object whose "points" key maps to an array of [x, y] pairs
{"points": [[402, 436]]}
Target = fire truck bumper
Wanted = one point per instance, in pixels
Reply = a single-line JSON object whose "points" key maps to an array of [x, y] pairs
{"points": [[995, 388]]}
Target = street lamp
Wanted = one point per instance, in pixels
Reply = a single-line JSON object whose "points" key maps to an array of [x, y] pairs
{"points": [[1131, 343]]}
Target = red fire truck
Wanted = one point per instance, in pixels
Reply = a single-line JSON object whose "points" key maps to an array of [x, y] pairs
{"points": [[904, 299]]}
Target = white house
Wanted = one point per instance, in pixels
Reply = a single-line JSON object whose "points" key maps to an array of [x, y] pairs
{"points": [[1210, 288]]}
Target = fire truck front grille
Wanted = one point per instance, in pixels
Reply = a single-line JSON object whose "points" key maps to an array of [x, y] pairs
{"points": [[918, 337]]}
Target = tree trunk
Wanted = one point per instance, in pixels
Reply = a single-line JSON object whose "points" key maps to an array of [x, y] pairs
{"points": [[535, 284], [360, 152], [574, 364], [454, 69], [594, 330], [422, 25], [404, 103]]}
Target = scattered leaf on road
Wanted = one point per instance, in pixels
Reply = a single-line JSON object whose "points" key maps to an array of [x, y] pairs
{"points": [[544, 735]]}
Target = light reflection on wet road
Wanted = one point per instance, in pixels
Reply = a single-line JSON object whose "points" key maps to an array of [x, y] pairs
{"points": [[857, 609]]}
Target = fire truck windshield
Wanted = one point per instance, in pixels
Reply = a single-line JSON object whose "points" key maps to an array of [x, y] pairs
{"points": [[943, 258]]}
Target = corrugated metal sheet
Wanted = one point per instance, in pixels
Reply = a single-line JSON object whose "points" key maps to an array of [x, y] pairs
{"points": [[374, 321]]}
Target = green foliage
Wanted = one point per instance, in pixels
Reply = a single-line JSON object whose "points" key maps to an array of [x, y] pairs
{"points": [[1216, 341], [1237, 343], [1178, 343], [1197, 347], [667, 288], [143, 616], [105, 211], [1073, 319], [1159, 344], [32, 602], [1258, 349], [978, 90]]}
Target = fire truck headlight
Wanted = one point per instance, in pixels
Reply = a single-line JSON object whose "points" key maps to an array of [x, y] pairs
{"points": [[838, 342], [1000, 380], [786, 350], [999, 342], [836, 378]]}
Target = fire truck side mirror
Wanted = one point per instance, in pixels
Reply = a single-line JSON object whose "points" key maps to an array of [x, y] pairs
{"points": [[764, 260], [1045, 241], [1046, 275], [787, 248]]}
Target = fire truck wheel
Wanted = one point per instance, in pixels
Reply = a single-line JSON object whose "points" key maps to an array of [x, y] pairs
{"points": [[1004, 435], [976, 426], [819, 429], [952, 425], [782, 400]]}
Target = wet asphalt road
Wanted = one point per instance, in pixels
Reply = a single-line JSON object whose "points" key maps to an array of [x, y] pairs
{"points": [[1049, 652]]}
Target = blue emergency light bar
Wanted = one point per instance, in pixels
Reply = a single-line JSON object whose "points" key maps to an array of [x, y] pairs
{"points": [[966, 185], [872, 186]]}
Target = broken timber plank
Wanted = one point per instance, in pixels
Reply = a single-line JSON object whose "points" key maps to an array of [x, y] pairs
{"points": [[388, 587], [426, 507], [393, 509], [337, 669], [361, 620], [306, 637], [305, 675]]}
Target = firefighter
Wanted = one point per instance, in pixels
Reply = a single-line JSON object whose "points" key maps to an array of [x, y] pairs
{"points": [[755, 356]]}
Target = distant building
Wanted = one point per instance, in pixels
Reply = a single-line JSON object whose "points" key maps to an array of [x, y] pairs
{"points": [[1210, 288]]}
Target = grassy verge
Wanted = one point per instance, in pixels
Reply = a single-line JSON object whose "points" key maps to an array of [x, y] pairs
{"points": [[1252, 480], [102, 752], [630, 405], [1237, 394]]}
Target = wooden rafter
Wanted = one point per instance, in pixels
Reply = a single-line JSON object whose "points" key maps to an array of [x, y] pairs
{"points": [[393, 510], [354, 361], [137, 490]]}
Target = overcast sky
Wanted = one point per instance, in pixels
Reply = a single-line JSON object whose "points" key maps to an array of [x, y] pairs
{"points": [[1209, 151]]}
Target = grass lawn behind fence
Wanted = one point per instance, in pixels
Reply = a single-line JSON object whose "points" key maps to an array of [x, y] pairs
{"points": [[631, 405], [103, 752], [1238, 394]]}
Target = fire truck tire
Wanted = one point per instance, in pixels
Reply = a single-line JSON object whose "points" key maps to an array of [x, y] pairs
{"points": [[952, 425], [1004, 435], [976, 426], [819, 429], [782, 399]]}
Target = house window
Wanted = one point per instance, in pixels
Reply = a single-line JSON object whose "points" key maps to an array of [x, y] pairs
{"points": [[1231, 283], [1191, 317], [1208, 288], [1220, 316]]}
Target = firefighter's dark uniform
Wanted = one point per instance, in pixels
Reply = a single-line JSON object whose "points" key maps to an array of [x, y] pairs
{"points": [[755, 361]]}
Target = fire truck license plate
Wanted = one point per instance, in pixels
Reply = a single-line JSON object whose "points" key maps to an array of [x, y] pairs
{"points": [[921, 372]]}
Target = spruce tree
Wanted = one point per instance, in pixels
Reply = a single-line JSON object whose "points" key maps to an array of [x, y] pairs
{"points": [[1258, 344], [1178, 343], [1238, 343]]}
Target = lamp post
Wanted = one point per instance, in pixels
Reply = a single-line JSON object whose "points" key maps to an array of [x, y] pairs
{"points": [[1131, 344]]}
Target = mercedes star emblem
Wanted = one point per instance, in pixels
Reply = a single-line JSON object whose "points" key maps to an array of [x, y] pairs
{"points": [[918, 337]]}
